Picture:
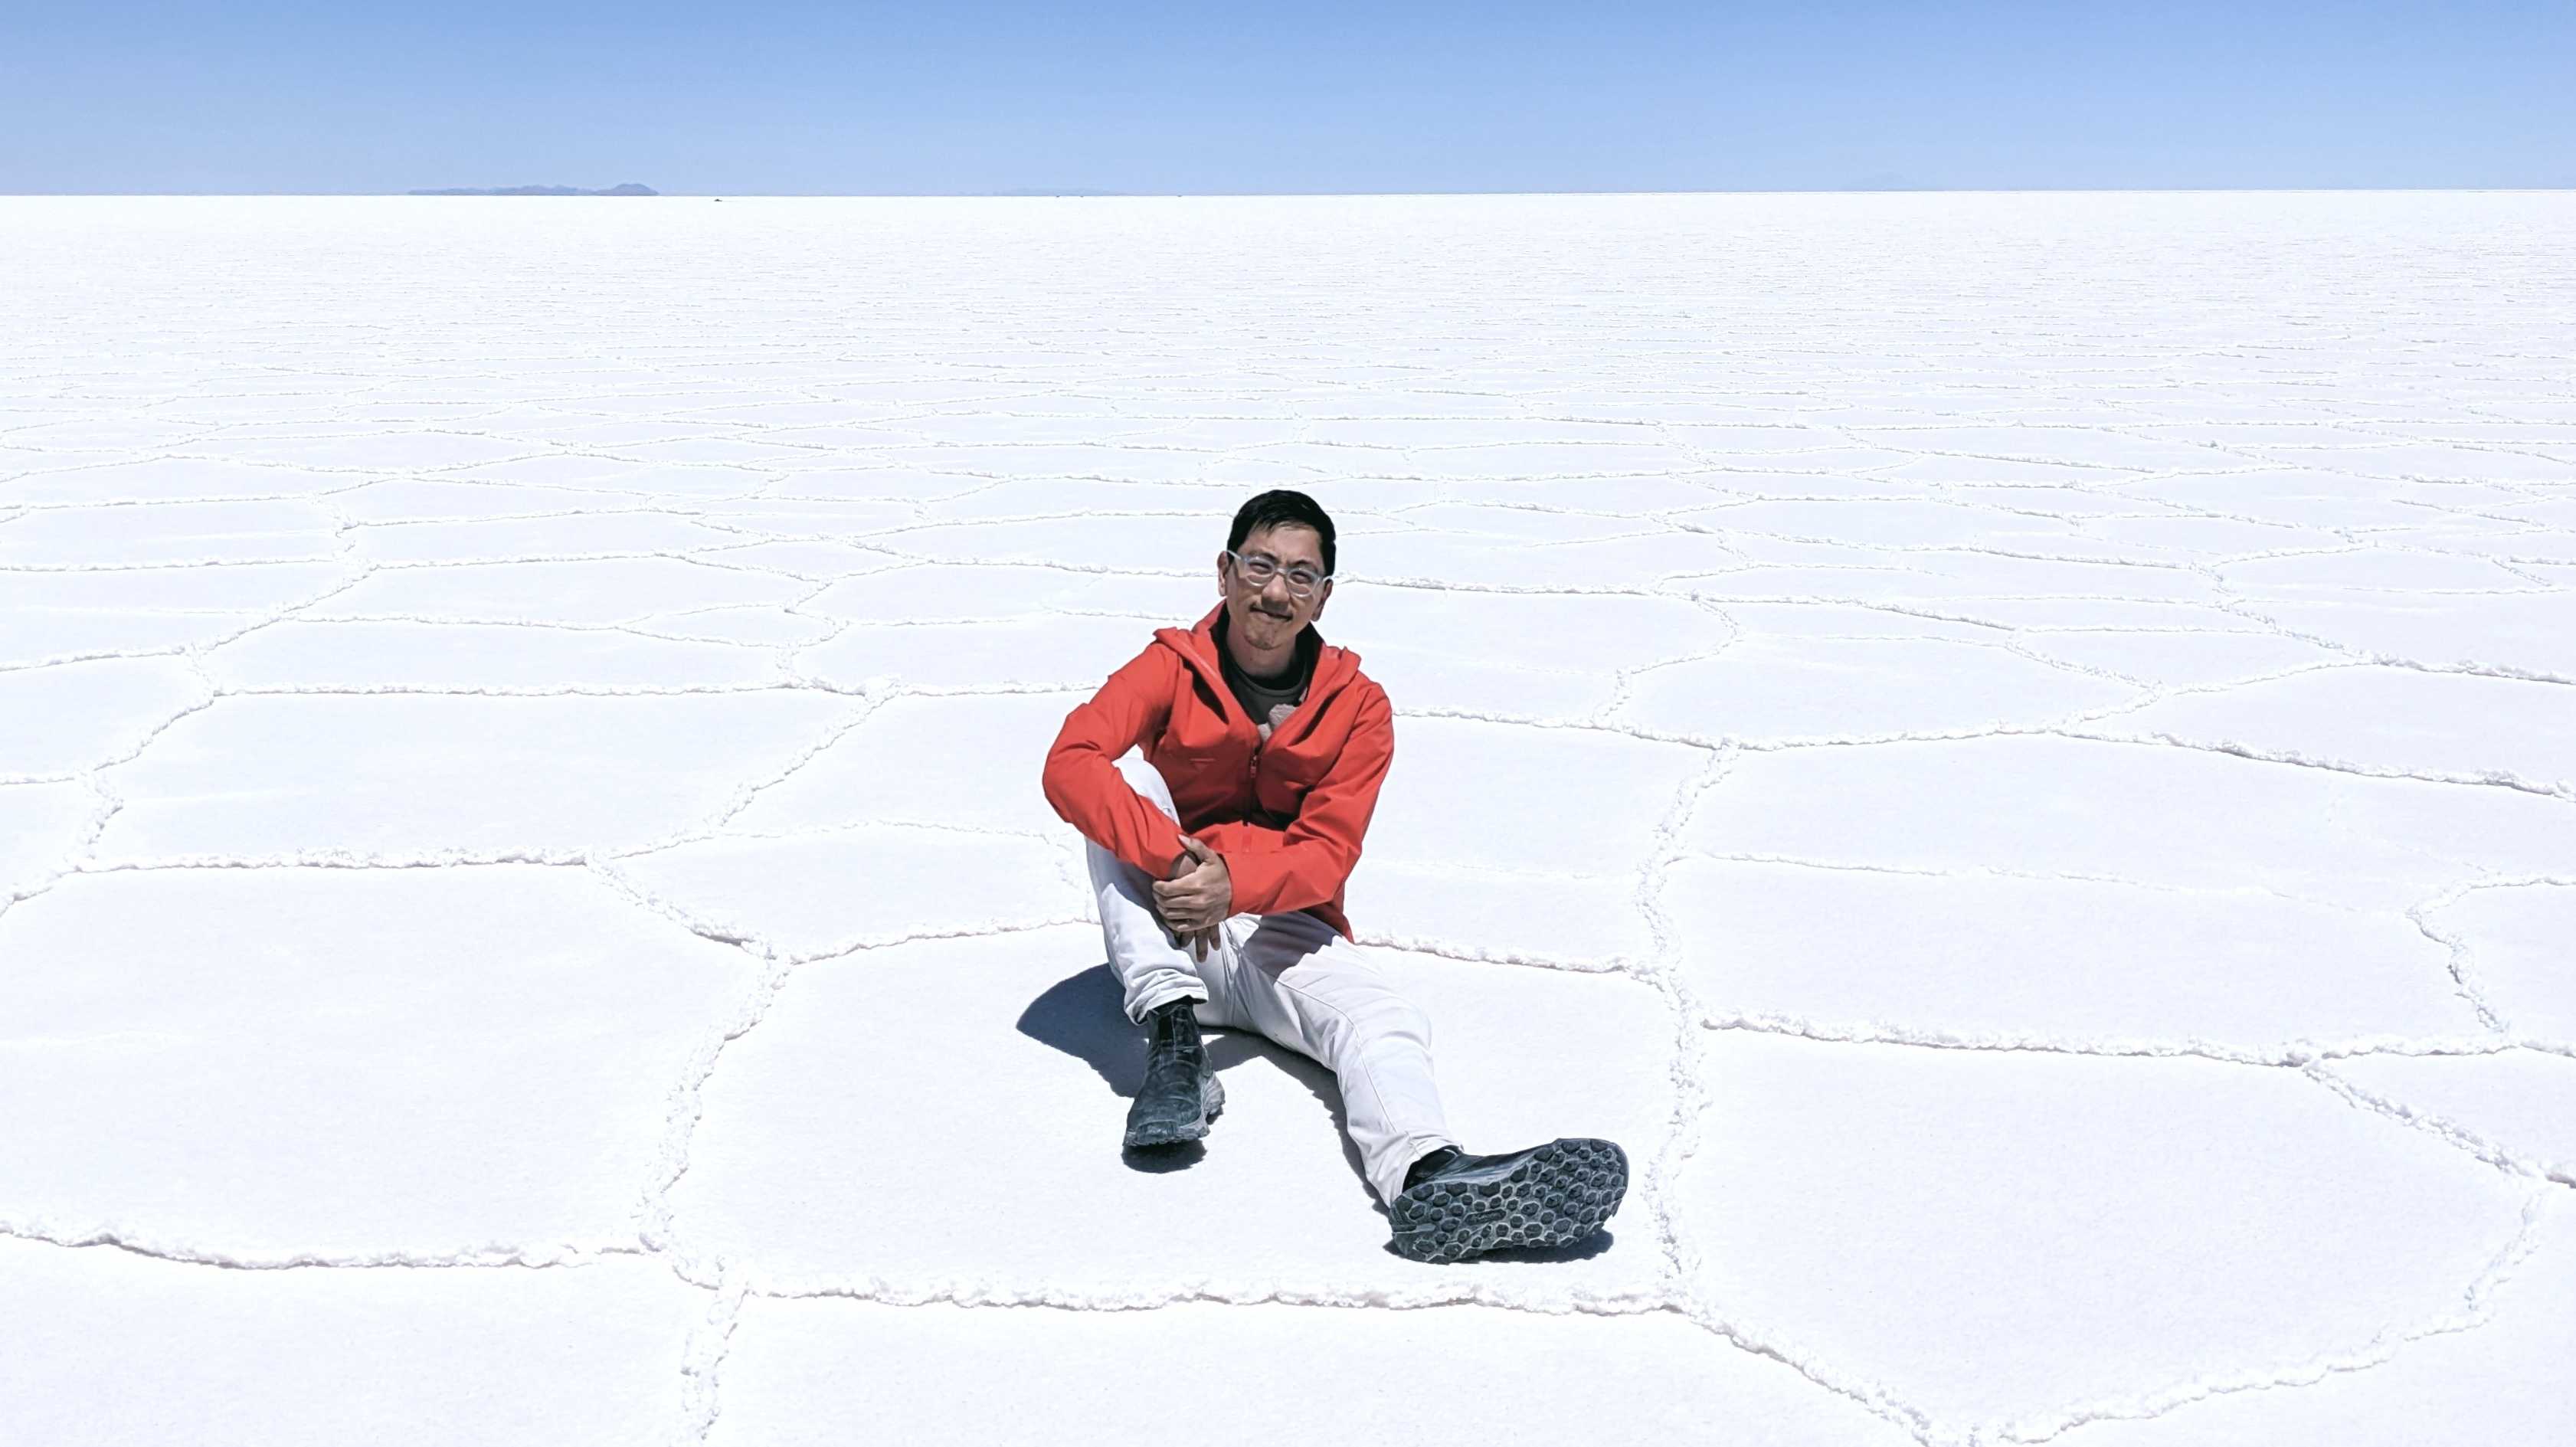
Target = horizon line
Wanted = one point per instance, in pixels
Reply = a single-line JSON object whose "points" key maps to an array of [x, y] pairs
{"points": [[1034, 194]]}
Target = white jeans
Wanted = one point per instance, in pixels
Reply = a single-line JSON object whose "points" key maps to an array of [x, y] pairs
{"points": [[1295, 980]]}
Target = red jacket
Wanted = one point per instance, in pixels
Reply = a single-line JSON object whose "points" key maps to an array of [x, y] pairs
{"points": [[1286, 815]]}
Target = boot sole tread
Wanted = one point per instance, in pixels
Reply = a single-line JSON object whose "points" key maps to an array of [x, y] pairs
{"points": [[1557, 1195]]}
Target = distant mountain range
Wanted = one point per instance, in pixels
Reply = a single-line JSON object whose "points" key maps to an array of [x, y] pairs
{"points": [[629, 189]]}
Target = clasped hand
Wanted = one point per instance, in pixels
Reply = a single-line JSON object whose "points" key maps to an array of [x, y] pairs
{"points": [[1196, 899]]}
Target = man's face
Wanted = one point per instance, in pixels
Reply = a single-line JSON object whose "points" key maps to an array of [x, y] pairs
{"points": [[1270, 615]]}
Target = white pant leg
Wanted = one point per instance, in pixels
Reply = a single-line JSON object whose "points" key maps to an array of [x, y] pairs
{"points": [[1152, 969], [1294, 980], [1297, 981]]}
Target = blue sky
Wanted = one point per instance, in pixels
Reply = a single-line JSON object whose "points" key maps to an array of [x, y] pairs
{"points": [[1230, 97]]}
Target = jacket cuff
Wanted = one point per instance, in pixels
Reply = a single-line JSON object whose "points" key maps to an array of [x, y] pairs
{"points": [[1255, 877], [1161, 849]]}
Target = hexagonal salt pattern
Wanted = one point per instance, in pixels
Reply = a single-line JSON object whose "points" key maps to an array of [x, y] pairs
{"points": [[2516, 1107], [479, 658], [1540, 917], [2032, 798], [1999, 959], [41, 828], [2524, 631], [2496, 1373], [2509, 944], [1000, 1169], [952, 747], [1297, 1375], [2396, 720], [427, 1064], [313, 1357], [2012, 1243], [69, 719], [2055, 807], [1817, 689], [381, 776], [806, 896], [1481, 793]]}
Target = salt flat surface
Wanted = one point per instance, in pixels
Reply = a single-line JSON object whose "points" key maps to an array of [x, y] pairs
{"points": [[2019, 752]]}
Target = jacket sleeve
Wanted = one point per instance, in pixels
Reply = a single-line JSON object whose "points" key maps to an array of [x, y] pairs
{"points": [[1082, 779], [1322, 847]]}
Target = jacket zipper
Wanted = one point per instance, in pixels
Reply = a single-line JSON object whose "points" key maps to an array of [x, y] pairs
{"points": [[1227, 701]]}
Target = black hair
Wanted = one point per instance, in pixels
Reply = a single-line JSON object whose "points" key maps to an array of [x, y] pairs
{"points": [[1279, 505]]}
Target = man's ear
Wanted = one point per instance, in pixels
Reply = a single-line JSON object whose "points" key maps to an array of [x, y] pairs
{"points": [[1323, 595], [1220, 572]]}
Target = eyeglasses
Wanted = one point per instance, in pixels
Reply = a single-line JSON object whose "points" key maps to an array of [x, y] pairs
{"points": [[1260, 568]]}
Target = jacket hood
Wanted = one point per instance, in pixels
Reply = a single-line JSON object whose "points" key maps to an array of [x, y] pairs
{"points": [[1197, 645]]}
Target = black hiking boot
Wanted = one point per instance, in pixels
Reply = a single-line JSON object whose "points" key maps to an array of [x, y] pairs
{"points": [[1455, 1205], [1181, 1094]]}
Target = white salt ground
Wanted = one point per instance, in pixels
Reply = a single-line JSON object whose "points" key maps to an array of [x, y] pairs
{"points": [[2016, 751]]}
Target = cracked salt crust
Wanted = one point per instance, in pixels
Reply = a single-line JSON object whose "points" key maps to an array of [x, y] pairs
{"points": [[269, 590], [33, 637], [2009, 961], [1962, 770], [165, 481], [2177, 659], [1882, 522], [595, 591], [2156, 814], [1395, 1376], [2501, 1373], [1915, 1207], [2376, 570], [2392, 720], [68, 719], [2513, 935], [41, 826], [2526, 635], [2513, 1106], [1439, 682], [565, 1355], [854, 1067], [425, 1062], [359, 777], [1055, 651], [1578, 633], [471, 656], [819, 894], [950, 745], [1548, 918], [576, 535], [1480, 792], [1822, 688]]}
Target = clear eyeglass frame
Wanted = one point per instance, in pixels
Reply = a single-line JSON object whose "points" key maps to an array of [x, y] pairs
{"points": [[1259, 568]]}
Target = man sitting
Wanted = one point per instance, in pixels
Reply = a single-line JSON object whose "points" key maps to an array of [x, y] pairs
{"points": [[1268, 746]]}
